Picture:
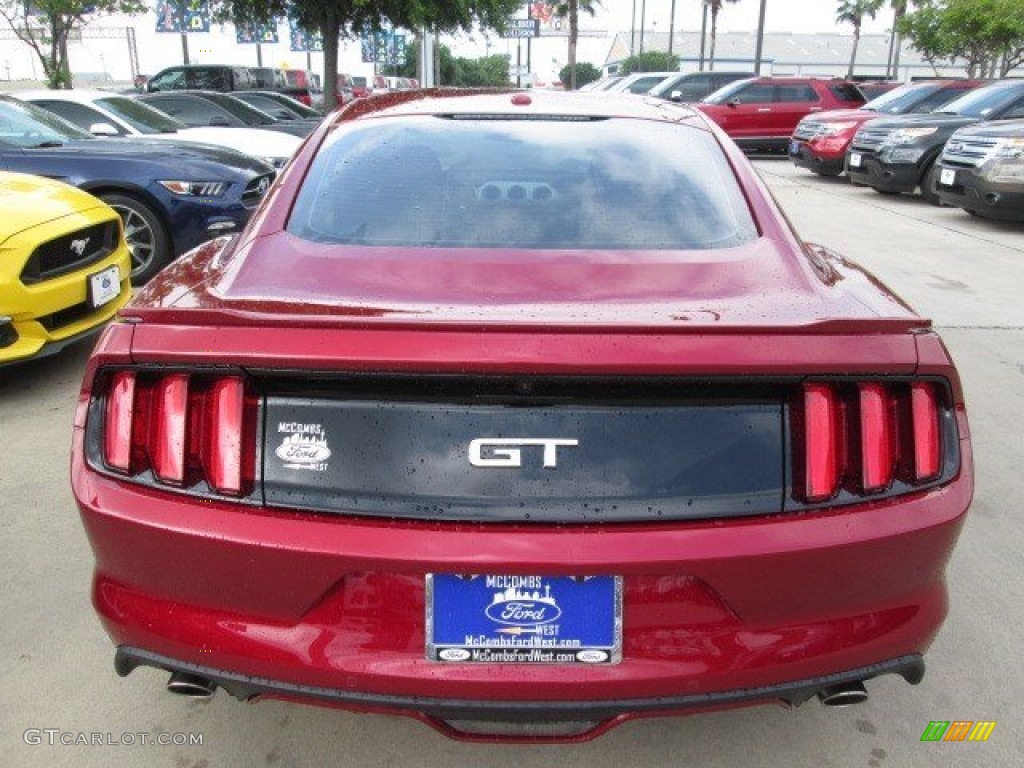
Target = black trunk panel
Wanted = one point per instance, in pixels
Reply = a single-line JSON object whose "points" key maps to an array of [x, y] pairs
{"points": [[410, 457]]}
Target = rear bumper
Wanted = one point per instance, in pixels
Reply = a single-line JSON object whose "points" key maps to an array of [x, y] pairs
{"points": [[440, 712], [714, 612]]}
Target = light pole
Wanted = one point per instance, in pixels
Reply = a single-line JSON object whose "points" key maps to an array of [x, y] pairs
{"points": [[760, 39], [703, 32], [643, 22], [632, 31], [671, 26]]}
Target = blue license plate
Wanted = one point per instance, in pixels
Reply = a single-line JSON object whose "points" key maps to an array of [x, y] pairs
{"points": [[506, 619], [794, 147]]}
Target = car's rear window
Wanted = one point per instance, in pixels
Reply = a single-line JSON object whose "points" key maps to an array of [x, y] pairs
{"points": [[142, 117], [846, 92], [515, 183]]}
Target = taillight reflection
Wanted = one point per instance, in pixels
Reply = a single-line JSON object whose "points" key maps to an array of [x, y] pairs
{"points": [[927, 445], [822, 431], [117, 423], [877, 438], [167, 440]]}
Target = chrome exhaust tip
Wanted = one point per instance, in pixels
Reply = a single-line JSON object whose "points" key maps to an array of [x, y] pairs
{"points": [[192, 686], [843, 695]]}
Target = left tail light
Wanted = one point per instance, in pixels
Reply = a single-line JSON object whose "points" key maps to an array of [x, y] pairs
{"points": [[192, 431]]}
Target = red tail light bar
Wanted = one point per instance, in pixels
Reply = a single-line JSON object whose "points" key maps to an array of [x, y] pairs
{"points": [[189, 430], [851, 440], [863, 437]]}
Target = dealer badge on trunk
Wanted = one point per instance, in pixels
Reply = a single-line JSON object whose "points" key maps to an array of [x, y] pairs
{"points": [[304, 447]]}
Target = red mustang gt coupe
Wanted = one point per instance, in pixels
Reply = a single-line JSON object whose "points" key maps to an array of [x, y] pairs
{"points": [[522, 414]]}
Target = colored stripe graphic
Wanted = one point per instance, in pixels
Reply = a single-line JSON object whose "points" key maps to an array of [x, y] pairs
{"points": [[935, 730], [982, 730], [958, 730]]}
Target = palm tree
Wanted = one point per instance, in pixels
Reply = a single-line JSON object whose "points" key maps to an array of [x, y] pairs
{"points": [[715, 6], [571, 10], [899, 10], [853, 12]]}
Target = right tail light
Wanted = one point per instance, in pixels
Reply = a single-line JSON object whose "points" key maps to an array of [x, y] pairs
{"points": [[867, 437]]}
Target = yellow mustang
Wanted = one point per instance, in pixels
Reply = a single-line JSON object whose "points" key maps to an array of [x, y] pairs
{"points": [[64, 265]]}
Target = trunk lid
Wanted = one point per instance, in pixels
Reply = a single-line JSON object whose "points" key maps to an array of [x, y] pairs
{"points": [[763, 285]]}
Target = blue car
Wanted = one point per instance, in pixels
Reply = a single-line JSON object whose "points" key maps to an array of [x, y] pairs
{"points": [[171, 196]]}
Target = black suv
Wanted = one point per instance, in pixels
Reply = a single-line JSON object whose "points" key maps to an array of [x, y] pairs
{"points": [[981, 170], [898, 154], [203, 77]]}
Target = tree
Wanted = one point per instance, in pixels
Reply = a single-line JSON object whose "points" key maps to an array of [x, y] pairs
{"points": [[987, 35], [584, 73], [715, 6], [336, 18], [45, 25], [571, 10], [446, 67], [899, 10], [466, 73], [853, 12], [650, 61], [481, 72]]}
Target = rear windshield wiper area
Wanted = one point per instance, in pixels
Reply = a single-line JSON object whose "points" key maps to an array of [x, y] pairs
{"points": [[47, 144]]}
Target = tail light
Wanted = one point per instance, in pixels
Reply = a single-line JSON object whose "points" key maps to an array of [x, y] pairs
{"points": [[858, 439], [822, 428], [927, 453], [877, 448], [191, 431]]}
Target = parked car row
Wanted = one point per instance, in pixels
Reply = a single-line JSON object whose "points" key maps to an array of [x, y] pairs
{"points": [[758, 113], [173, 185], [676, 86], [303, 85], [107, 114], [299, 84], [171, 169], [960, 142]]}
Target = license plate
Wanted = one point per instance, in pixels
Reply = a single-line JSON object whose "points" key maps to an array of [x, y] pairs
{"points": [[855, 160], [947, 177], [794, 148], [104, 287], [506, 619]]}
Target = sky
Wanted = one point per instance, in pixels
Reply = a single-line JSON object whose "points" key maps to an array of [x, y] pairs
{"points": [[157, 51]]}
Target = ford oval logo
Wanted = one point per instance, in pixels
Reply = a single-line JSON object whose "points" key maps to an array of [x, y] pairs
{"points": [[592, 656], [303, 452], [523, 613], [454, 654]]}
